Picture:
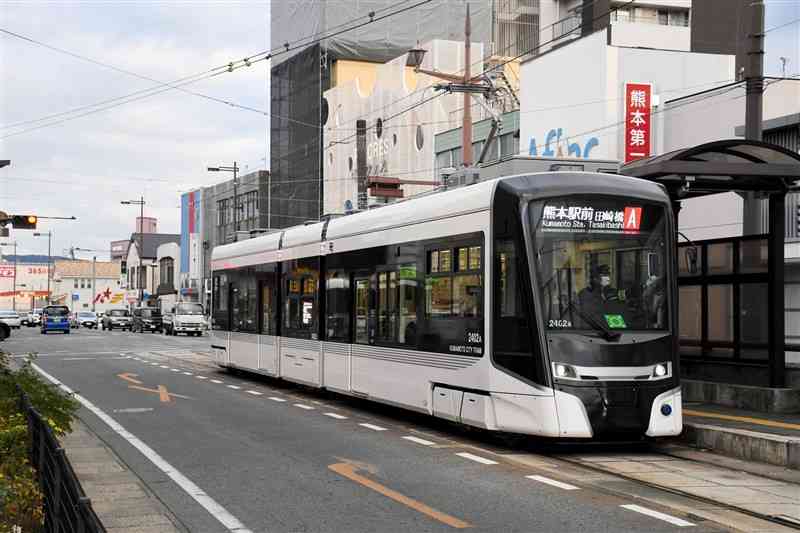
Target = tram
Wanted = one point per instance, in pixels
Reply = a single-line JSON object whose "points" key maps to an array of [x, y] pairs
{"points": [[541, 304]]}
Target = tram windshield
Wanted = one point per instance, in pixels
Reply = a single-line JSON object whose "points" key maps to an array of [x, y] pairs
{"points": [[601, 264]]}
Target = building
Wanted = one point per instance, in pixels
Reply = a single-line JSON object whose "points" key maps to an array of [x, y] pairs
{"points": [[168, 282], [23, 284], [142, 276], [87, 285]]}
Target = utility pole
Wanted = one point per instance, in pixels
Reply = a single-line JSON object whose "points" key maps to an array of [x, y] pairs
{"points": [[140, 202], [49, 236], [235, 170], [754, 109]]}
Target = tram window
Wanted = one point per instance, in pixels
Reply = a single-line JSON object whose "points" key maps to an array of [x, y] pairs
{"points": [[387, 307], [439, 296], [269, 308], [467, 295], [244, 296], [407, 304], [337, 304], [300, 299], [362, 311], [220, 299]]}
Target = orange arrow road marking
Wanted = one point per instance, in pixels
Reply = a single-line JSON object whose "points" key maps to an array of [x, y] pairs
{"points": [[349, 471], [162, 392], [129, 378]]}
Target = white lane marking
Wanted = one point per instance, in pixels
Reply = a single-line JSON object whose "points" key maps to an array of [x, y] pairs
{"points": [[419, 440], [276, 399], [235, 387], [163, 366], [215, 381], [187, 373], [156, 364], [255, 393], [337, 416], [372, 427], [201, 377], [78, 358], [476, 458], [553, 482], [303, 406], [174, 369], [230, 522], [134, 410], [655, 514]]}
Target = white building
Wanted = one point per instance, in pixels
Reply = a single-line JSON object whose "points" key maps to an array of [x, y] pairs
{"points": [[82, 286], [142, 276], [167, 258]]}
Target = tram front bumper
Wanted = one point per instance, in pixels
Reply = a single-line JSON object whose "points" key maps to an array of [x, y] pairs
{"points": [[617, 409]]}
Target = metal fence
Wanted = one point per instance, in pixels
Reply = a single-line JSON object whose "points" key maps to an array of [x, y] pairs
{"points": [[66, 507]]}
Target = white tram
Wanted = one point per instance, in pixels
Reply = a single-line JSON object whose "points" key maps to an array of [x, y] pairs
{"points": [[541, 304]]}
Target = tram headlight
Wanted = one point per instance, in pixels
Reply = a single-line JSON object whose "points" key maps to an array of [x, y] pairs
{"points": [[564, 371], [660, 370]]}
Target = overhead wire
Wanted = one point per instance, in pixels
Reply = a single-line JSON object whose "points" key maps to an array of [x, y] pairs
{"points": [[229, 67]]}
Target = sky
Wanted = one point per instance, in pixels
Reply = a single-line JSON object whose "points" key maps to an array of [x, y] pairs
{"points": [[155, 147], [783, 18]]}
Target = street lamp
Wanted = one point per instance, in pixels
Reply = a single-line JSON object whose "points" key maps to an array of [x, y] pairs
{"points": [[49, 236], [235, 171], [14, 296], [140, 202]]}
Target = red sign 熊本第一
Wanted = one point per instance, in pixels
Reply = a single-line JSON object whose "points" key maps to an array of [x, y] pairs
{"points": [[637, 120]]}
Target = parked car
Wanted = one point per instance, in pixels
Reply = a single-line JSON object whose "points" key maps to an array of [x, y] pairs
{"points": [[147, 319], [87, 319], [55, 318], [185, 318], [116, 318], [34, 318], [11, 318]]}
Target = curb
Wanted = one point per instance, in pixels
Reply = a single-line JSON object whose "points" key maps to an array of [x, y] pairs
{"points": [[744, 444]]}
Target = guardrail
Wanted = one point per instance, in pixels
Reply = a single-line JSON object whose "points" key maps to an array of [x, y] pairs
{"points": [[66, 507]]}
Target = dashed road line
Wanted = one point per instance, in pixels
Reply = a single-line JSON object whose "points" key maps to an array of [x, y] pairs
{"points": [[216, 381], [655, 514], [337, 416], [163, 366], [553, 482], [276, 399], [187, 373], [254, 393], [175, 369], [372, 427], [476, 458], [418, 440], [304, 406], [201, 377], [234, 387]]}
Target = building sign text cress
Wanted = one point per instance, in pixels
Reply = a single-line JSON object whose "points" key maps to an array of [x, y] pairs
{"points": [[587, 218], [638, 97]]}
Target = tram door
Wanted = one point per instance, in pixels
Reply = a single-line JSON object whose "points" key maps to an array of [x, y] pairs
{"points": [[360, 366]]}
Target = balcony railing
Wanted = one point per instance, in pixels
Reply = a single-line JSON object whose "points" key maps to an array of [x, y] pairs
{"points": [[567, 27]]}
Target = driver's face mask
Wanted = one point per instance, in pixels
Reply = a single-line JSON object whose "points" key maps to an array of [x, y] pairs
{"points": [[605, 281]]}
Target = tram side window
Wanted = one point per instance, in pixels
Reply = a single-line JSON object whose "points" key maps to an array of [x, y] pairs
{"points": [[269, 306], [337, 306], [301, 279], [513, 332], [220, 298], [397, 305], [244, 315]]}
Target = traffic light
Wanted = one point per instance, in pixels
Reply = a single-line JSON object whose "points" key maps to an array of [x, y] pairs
{"points": [[24, 221]]}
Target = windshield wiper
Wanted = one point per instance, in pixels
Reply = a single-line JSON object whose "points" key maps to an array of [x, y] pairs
{"points": [[598, 326]]}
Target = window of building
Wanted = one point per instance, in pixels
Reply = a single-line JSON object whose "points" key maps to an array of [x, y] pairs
{"points": [[222, 211], [123, 267], [83, 283], [167, 271], [508, 144], [444, 160], [679, 18], [76, 282]]}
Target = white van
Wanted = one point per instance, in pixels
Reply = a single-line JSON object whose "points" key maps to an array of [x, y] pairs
{"points": [[184, 317]]}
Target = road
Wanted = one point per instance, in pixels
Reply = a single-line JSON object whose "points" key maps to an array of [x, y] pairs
{"points": [[272, 456]]}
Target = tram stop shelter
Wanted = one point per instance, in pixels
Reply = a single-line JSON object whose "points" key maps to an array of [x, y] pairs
{"points": [[731, 291]]}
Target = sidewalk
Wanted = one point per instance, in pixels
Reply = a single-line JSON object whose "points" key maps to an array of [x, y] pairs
{"points": [[752, 436], [118, 496]]}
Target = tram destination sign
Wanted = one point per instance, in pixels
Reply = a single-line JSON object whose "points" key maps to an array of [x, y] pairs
{"points": [[586, 218]]}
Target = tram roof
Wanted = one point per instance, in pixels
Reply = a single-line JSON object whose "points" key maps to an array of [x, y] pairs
{"points": [[460, 201]]}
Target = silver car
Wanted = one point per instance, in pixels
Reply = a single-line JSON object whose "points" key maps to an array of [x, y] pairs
{"points": [[11, 319]]}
